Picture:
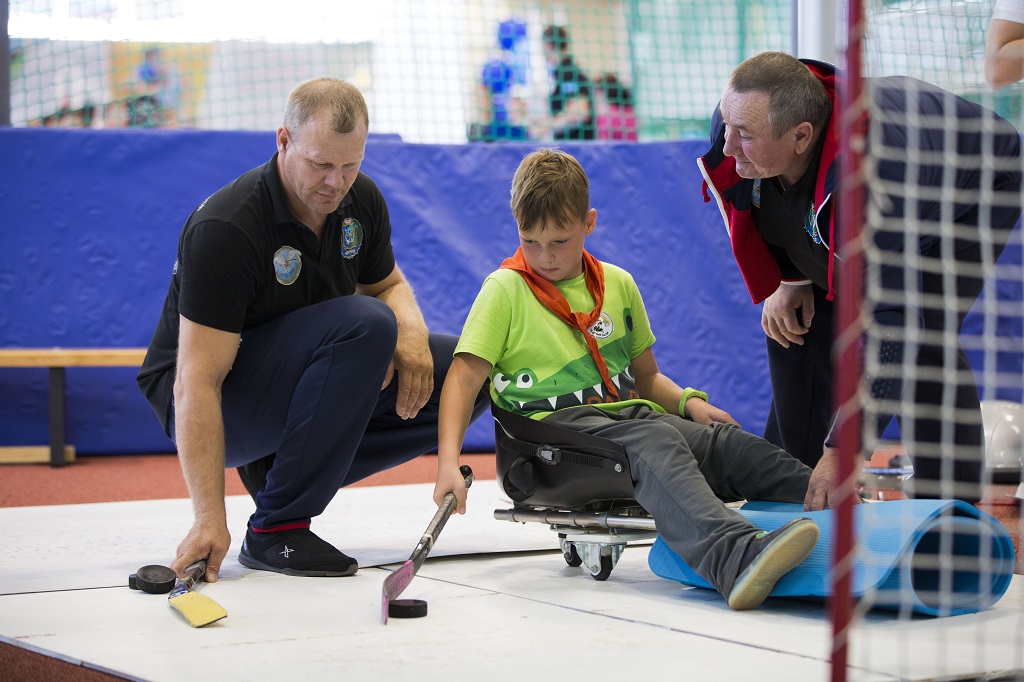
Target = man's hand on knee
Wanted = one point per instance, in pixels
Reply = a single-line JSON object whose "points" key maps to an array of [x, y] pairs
{"points": [[415, 368], [825, 490], [787, 314]]}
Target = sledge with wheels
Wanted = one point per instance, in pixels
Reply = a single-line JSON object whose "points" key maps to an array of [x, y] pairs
{"points": [[577, 483]]}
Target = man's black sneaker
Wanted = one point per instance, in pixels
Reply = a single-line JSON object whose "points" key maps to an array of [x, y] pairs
{"points": [[768, 557], [294, 552]]}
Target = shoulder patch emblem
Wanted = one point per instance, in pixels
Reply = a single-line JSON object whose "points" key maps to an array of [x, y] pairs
{"points": [[603, 327], [287, 265], [351, 237], [811, 224]]}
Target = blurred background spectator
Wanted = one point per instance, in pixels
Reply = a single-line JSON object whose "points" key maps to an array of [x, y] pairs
{"points": [[157, 93], [615, 118], [571, 101], [501, 81]]}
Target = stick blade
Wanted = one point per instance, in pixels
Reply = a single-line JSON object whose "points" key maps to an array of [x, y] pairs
{"points": [[394, 584], [198, 610]]}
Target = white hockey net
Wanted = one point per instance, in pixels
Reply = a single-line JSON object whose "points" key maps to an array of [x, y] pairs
{"points": [[941, 384]]}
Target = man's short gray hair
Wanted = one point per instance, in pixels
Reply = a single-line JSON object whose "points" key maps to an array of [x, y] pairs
{"points": [[795, 93], [340, 100]]}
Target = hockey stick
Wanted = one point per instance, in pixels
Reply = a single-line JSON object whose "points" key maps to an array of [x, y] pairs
{"points": [[197, 609], [399, 579]]}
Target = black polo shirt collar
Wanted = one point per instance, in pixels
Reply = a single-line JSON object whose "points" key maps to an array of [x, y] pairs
{"points": [[282, 213], [787, 219]]}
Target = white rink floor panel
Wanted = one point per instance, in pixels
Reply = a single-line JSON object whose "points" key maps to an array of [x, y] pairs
{"points": [[502, 606]]}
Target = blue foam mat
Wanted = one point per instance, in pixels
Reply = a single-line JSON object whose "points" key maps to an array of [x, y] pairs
{"points": [[904, 559]]}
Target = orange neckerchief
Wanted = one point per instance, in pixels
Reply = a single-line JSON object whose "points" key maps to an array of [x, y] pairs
{"points": [[552, 299]]}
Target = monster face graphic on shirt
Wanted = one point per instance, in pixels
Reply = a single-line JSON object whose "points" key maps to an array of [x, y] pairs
{"points": [[577, 383]]}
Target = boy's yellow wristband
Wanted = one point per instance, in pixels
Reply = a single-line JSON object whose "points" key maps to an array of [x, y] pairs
{"points": [[687, 394]]}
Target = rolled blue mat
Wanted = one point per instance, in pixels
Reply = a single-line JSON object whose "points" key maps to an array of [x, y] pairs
{"points": [[934, 557]]}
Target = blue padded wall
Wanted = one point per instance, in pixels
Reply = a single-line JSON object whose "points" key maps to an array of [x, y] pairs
{"points": [[90, 222]]}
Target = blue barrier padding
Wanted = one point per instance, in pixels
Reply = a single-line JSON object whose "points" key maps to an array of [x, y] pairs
{"points": [[925, 556], [90, 224]]}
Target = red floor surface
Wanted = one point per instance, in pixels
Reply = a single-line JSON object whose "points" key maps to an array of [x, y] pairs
{"points": [[119, 478]]}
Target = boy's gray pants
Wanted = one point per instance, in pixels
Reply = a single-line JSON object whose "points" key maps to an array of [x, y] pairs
{"points": [[681, 473]]}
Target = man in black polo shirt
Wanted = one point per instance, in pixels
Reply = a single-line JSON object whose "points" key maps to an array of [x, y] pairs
{"points": [[291, 345]]}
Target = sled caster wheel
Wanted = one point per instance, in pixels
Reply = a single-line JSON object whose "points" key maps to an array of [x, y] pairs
{"points": [[572, 557], [606, 569]]}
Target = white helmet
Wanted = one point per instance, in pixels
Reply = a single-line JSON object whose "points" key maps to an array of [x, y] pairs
{"points": [[1004, 443]]}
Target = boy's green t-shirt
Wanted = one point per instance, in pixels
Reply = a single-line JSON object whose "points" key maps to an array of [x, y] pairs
{"points": [[541, 364]]}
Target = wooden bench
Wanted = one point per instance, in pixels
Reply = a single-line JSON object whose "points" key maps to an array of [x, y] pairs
{"points": [[58, 360]]}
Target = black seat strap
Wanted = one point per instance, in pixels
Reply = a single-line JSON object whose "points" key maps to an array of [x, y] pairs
{"points": [[549, 454]]}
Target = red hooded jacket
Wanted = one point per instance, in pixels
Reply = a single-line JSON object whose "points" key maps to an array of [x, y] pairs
{"points": [[759, 267]]}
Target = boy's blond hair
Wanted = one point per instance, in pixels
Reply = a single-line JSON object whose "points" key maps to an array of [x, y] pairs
{"points": [[549, 185]]}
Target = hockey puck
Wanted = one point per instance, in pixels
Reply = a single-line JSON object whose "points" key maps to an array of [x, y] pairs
{"points": [[407, 608], [153, 579]]}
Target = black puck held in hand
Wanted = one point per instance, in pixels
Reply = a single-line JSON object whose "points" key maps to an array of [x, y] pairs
{"points": [[153, 579], [407, 608]]}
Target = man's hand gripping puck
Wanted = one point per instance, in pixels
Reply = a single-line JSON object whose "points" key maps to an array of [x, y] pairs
{"points": [[153, 579]]}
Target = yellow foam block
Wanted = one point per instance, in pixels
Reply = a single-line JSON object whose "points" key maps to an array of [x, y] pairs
{"points": [[197, 609]]}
